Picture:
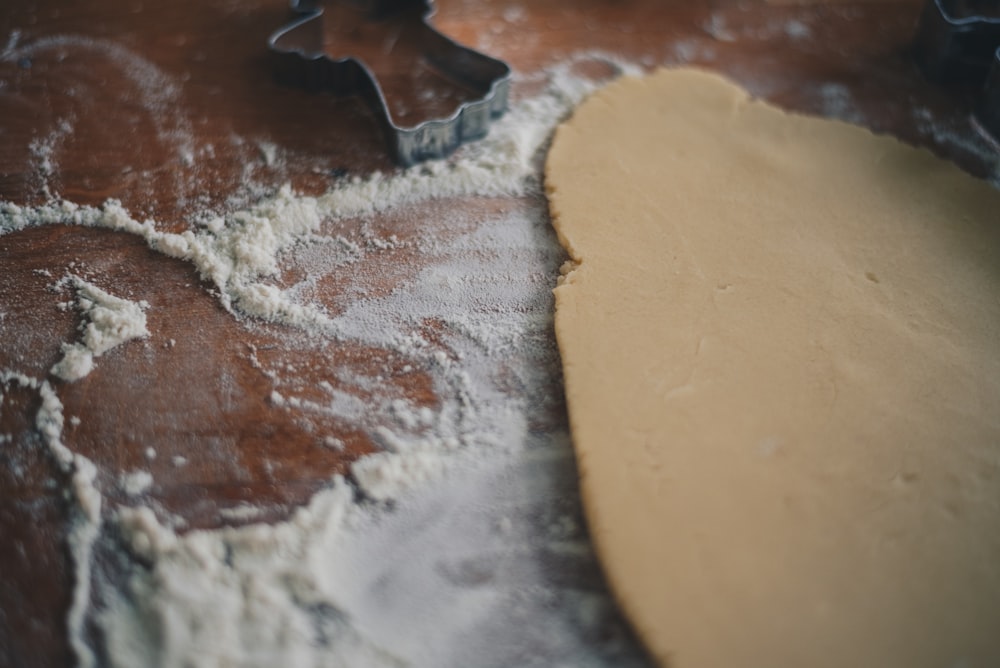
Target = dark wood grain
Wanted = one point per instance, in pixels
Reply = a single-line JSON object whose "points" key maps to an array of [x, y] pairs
{"points": [[158, 99]]}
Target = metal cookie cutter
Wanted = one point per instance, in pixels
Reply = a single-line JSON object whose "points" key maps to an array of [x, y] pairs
{"points": [[302, 60], [988, 109], [957, 39]]}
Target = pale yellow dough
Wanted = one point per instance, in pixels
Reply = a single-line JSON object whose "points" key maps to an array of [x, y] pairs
{"points": [[781, 343]]}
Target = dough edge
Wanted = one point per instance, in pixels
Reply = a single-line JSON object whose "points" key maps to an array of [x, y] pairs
{"points": [[578, 267]]}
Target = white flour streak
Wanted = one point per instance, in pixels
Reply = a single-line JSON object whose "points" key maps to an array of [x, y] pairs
{"points": [[309, 591], [236, 253], [85, 523], [159, 94], [43, 150]]}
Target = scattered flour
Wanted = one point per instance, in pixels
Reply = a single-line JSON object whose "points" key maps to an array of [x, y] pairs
{"points": [[254, 596], [151, 88], [485, 567], [44, 149], [108, 321], [514, 14], [333, 443], [298, 592], [269, 152], [798, 30], [837, 102], [718, 27], [85, 522], [244, 248], [136, 483]]}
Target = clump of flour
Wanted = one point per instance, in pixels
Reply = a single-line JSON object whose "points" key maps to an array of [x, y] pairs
{"points": [[108, 321], [387, 475], [236, 597], [300, 592], [136, 483]]}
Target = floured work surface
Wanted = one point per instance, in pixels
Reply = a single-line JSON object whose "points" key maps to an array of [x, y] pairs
{"points": [[781, 343], [229, 425]]}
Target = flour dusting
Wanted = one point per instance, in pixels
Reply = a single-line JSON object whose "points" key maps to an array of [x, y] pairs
{"points": [[236, 251], [85, 521], [158, 94], [44, 152], [468, 510]]}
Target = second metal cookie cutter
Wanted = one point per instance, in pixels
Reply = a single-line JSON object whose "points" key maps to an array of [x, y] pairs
{"points": [[988, 110], [957, 39], [958, 42], [303, 61]]}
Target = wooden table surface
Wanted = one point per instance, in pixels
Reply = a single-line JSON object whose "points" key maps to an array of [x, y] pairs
{"points": [[151, 103]]}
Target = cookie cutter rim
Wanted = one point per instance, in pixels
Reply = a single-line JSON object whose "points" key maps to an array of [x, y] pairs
{"points": [[955, 48], [310, 67], [987, 113]]}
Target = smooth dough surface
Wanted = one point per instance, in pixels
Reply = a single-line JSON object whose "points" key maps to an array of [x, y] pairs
{"points": [[781, 345]]}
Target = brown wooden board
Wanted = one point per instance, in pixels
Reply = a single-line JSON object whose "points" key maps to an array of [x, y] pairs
{"points": [[151, 103]]}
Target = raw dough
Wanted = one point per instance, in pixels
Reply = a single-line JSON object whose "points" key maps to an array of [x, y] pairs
{"points": [[781, 343]]}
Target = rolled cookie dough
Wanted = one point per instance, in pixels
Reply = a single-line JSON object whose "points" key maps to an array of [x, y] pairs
{"points": [[781, 343]]}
